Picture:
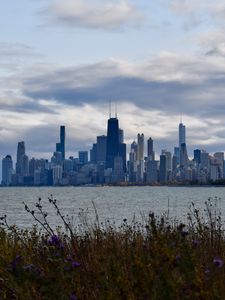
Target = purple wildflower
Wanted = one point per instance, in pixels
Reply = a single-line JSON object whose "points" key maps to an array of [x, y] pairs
{"points": [[69, 258], [73, 296], [218, 262], [176, 260], [195, 243], [75, 264], [29, 268], [207, 271], [184, 233], [54, 240], [14, 263]]}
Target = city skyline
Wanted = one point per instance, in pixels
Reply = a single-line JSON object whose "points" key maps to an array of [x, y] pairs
{"points": [[108, 162], [156, 59], [179, 138]]}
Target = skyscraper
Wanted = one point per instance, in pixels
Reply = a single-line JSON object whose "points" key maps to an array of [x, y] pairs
{"points": [[152, 171], [162, 170], [182, 134], [197, 156], [112, 150], [101, 148], [168, 159], [20, 154], [83, 157], [219, 156], [151, 154], [134, 150], [93, 154], [62, 140], [121, 136], [140, 144], [176, 157], [60, 147], [7, 169], [183, 155], [123, 155], [182, 141], [140, 157]]}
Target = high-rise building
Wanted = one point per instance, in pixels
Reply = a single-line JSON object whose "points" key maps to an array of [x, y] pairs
{"points": [[182, 139], [60, 147], [20, 154], [56, 158], [112, 150], [57, 174], [134, 150], [83, 157], [25, 165], [150, 151], [197, 156], [93, 154], [118, 173], [101, 148], [132, 166], [32, 166], [121, 136], [123, 155], [22, 163], [174, 163], [182, 134], [162, 170], [7, 169], [140, 146], [152, 171], [219, 156], [62, 140], [168, 160], [68, 166], [205, 160], [183, 155], [176, 156]]}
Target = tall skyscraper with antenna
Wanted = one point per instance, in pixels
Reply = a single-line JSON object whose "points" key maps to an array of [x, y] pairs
{"points": [[112, 149], [182, 134], [182, 144]]}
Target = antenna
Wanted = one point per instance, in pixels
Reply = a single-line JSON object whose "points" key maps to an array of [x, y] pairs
{"points": [[181, 117], [110, 108], [115, 109]]}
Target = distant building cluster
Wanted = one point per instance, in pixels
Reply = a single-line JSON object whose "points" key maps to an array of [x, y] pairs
{"points": [[108, 164]]}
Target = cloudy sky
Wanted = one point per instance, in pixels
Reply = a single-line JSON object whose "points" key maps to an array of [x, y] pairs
{"points": [[62, 60]]}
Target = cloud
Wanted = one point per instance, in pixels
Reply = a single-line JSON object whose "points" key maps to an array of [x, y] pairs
{"points": [[97, 14], [15, 55], [168, 82], [150, 98], [203, 13]]}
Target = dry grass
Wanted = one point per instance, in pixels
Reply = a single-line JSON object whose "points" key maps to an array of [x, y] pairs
{"points": [[158, 259]]}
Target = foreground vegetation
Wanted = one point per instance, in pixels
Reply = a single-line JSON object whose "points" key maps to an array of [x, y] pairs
{"points": [[155, 259]]}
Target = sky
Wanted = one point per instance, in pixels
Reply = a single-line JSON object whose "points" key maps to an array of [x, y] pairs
{"points": [[62, 61]]}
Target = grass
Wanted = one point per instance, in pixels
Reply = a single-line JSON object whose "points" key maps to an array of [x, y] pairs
{"points": [[155, 259]]}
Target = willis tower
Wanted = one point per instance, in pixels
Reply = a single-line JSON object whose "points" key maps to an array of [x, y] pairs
{"points": [[115, 143], [112, 142]]}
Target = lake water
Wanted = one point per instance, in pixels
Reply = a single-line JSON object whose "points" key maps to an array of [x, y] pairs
{"points": [[112, 203]]}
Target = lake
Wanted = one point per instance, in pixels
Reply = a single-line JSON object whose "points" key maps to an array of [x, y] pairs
{"points": [[112, 203]]}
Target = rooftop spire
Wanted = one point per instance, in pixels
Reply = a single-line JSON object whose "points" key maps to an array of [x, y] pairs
{"points": [[181, 118], [110, 109], [115, 109]]}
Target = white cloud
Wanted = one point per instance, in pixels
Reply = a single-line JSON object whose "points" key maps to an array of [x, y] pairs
{"points": [[97, 14], [150, 98], [205, 13]]}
